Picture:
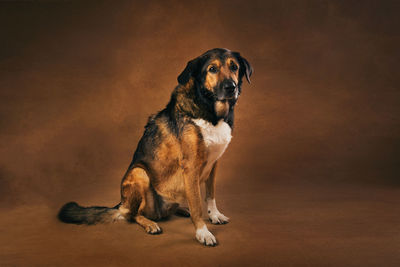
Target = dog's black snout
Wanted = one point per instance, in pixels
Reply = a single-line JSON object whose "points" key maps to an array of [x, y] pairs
{"points": [[229, 86]]}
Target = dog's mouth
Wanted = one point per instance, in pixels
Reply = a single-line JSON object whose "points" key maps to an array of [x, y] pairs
{"points": [[220, 99], [223, 95], [225, 98]]}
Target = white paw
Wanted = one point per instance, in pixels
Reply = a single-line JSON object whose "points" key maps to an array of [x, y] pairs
{"points": [[205, 237], [215, 216], [218, 218]]}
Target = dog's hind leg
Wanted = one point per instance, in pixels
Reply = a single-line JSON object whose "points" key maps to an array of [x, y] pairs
{"points": [[134, 192]]}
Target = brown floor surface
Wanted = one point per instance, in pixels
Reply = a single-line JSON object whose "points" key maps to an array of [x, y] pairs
{"points": [[291, 225], [311, 177]]}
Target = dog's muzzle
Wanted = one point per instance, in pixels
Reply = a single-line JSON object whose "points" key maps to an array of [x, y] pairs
{"points": [[228, 90]]}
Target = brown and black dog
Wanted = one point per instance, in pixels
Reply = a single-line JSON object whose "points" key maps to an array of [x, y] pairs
{"points": [[179, 150]]}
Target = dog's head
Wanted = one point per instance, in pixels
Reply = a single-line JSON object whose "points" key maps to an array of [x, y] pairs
{"points": [[217, 76]]}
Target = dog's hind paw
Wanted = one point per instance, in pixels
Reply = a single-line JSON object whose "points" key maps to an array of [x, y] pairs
{"points": [[153, 229]]}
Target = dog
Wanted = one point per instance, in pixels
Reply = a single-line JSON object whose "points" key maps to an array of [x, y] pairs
{"points": [[179, 150]]}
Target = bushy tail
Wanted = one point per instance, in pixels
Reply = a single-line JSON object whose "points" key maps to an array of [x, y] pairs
{"points": [[73, 213]]}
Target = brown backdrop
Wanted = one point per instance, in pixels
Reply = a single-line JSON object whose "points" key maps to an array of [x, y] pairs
{"points": [[311, 176]]}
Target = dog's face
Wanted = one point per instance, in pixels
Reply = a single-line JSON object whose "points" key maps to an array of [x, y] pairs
{"points": [[217, 75]]}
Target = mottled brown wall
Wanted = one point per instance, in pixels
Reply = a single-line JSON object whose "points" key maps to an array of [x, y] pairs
{"points": [[79, 79]]}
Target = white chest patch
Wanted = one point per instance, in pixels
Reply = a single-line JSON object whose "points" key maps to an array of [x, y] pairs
{"points": [[216, 139]]}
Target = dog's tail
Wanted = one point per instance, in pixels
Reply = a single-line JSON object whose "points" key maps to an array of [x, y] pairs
{"points": [[71, 212]]}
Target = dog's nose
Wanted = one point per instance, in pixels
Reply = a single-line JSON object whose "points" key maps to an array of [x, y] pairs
{"points": [[229, 86]]}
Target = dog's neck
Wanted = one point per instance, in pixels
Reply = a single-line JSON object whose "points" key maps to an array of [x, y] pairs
{"points": [[186, 102]]}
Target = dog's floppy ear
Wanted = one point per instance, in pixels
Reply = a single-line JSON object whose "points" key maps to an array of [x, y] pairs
{"points": [[191, 70], [245, 67]]}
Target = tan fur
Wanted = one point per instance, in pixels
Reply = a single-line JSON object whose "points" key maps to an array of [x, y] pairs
{"points": [[179, 180], [221, 108], [213, 78]]}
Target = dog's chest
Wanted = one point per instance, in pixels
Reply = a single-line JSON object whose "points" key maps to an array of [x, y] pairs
{"points": [[216, 139]]}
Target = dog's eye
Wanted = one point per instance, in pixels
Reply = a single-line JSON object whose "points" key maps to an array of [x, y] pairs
{"points": [[234, 67], [213, 69]]}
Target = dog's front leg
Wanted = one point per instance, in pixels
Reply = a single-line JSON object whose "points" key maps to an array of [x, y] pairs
{"points": [[194, 156], [214, 215], [192, 188]]}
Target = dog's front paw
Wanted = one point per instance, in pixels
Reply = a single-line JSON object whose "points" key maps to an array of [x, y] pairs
{"points": [[205, 237], [218, 218]]}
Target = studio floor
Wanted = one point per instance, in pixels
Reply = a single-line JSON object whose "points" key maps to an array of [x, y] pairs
{"points": [[286, 225]]}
